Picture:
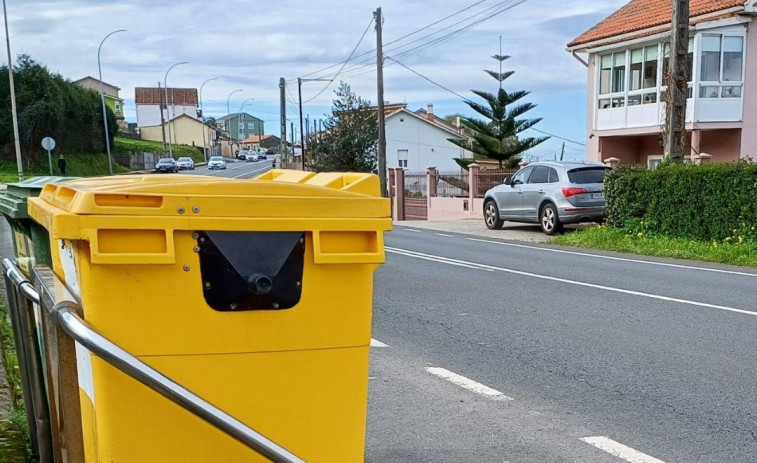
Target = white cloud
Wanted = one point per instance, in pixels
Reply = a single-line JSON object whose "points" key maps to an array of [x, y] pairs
{"points": [[250, 44]]}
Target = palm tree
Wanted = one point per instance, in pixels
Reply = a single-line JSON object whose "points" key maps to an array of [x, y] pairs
{"points": [[496, 136]]}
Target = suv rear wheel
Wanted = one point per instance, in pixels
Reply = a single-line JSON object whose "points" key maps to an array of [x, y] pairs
{"points": [[491, 216], [549, 220]]}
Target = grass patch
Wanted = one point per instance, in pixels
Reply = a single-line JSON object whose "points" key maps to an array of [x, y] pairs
{"points": [[127, 145], [14, 433], [620, 240], [79, 165]]}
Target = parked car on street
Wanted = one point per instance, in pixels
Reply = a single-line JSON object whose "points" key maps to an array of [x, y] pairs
{"points": [[166, 166], [551, 194], [242, 154], [217, 162], [253, 156], [185, 163]]}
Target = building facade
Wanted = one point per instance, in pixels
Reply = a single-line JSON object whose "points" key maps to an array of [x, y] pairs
{"points": [[416, 141], [112, 98], [241, 126], [185, 130], [627, 59], [151, 101]]}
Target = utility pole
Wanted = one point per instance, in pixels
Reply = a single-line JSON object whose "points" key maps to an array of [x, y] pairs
{"points": [[19, 162], [381, 115], [291, 136], [677, 85], [302, 132], [162, 119], [562, 153], [282, 102]]}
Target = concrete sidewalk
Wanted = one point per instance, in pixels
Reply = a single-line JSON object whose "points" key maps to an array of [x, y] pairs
{"points": [[512, 231]]}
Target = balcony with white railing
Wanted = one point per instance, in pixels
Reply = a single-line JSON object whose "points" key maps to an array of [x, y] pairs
{"points": [[629, 90]]}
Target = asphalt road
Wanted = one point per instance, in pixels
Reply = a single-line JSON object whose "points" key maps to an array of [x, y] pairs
{"points": [[510, 352], [235, 169]]}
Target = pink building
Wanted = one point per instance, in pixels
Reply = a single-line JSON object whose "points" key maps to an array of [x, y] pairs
{"points": [[627, 58]]}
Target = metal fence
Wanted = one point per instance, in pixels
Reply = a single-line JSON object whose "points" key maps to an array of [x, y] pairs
{"points": [[452, 184], [46, 340], [488, 179], [416, 184]]}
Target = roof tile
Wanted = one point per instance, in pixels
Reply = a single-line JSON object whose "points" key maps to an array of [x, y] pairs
{"points": [[643, 14]]}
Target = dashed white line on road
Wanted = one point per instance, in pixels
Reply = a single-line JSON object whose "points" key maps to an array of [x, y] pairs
{"points": [[474, 267], [468, 384], [410, 230], [619, 450], [444, 235], [463, 263], [377, 343], [622, 259]]}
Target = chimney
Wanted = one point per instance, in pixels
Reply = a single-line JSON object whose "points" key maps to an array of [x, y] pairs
{"points": [[430, 112]]}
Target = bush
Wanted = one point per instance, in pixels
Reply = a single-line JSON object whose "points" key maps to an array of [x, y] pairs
{"points": [[127, 145], [708, 202]]}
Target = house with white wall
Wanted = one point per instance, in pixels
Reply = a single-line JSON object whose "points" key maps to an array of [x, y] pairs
{"points": [[417, 140], [151, 101], [627, 56]]}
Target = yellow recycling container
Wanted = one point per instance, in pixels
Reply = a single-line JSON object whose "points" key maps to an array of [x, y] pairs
{"points": [[254, 294]]}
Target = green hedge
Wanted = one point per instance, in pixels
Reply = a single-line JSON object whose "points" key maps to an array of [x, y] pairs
{"points": [[127, 145], [704, 202]]}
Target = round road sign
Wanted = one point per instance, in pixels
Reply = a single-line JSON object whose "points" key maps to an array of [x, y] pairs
{"points": [[48, 143]]}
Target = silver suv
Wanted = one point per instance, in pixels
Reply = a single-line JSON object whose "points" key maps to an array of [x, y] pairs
{"points": [[551, 194]]}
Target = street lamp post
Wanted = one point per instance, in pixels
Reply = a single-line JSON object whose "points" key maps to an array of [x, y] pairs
{"points": [[168, 119], [228, 114], [241, 108], [102, 100], [202, 121]]}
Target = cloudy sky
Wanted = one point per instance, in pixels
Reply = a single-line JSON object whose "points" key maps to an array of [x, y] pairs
{"points": [[250, 44]]}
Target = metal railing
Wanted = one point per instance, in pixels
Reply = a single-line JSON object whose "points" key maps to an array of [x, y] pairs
{"points": [[67, 317]]}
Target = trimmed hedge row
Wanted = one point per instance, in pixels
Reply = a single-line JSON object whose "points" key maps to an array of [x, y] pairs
{"points": [[704, 202]]}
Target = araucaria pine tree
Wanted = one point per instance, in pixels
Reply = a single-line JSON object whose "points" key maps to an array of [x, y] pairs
{"points": [[496, 135]]}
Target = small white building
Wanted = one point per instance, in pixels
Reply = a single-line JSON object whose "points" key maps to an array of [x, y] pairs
{"points": [[150, 102], [416, 142]]}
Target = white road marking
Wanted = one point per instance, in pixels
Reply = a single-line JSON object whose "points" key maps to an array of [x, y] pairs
{"points": [[463, 263], [468, 384], [444, 235], [622, 259], [619, 450], [377, 343], [474, 267], [410, 230], [253, 171]]}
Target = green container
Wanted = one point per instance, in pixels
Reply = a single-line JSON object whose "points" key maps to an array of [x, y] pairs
{"points": [[31, 241]]}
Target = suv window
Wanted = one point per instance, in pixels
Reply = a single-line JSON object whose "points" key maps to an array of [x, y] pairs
{"points": [[588, 175], [541, 175], [553, 177], [522, 177]]}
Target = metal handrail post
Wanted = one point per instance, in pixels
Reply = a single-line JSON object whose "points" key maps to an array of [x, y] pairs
{"points": [[78, 329]]}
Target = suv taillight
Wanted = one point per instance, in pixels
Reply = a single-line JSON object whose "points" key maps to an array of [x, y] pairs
{"points": [[568, 192]]}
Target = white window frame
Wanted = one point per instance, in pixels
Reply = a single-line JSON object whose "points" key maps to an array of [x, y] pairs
{"points": [[613, 95], [720, 83]]}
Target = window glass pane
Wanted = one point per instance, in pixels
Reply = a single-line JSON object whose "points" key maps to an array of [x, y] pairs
{"points": [[650, 67], [709, 91], [732, 92], [604, 104], [665, 61], [634, 100], [619, 72], [650, 98], [733, 58], [541, 175], [605, 75], [553, 178], [637, 65], [711, 58], [618, 102], [690, 61], [522, 176], [588, 175]]}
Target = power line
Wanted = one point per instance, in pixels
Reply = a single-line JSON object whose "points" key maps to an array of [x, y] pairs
{"points": [[476, 18], [344, 64], [401, 38], [427, 78], [461, 96]]}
